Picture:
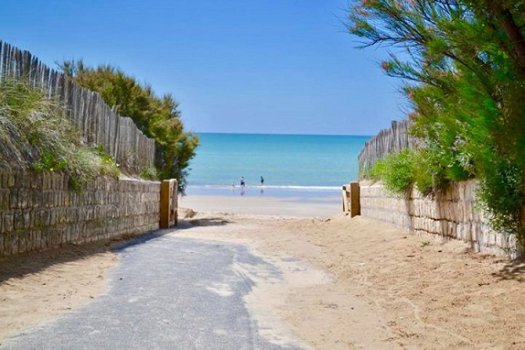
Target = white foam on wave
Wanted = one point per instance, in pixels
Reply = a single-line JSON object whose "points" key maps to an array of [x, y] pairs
{"points": [[279, 187]]}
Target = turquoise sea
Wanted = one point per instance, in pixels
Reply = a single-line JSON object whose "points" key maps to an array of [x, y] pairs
{"points": [[290, 164]]}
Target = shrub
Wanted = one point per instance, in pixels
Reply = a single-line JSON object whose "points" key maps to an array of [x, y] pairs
{"points": [[425, 177], [501, 196], [464, 78], [396, 171], [158, 117], [149, 174]]}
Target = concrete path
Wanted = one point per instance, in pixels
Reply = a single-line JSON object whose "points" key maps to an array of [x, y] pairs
{"points": [[166, 293]]}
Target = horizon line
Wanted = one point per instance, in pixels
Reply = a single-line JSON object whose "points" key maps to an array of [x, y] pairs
{"points": [[267, 133]]}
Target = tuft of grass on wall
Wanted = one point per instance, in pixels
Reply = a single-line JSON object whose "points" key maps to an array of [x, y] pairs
{"points": [[150, 173], [35, 134]]}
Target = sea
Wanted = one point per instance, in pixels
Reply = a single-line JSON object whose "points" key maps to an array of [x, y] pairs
{"points": [[291, 165]]}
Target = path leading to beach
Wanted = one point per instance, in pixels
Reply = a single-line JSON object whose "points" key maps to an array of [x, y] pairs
{"points": [[169, 292], [227, 280], [386, 289]]}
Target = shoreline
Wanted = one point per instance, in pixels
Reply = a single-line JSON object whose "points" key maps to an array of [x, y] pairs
{"points": [[292, 191]]}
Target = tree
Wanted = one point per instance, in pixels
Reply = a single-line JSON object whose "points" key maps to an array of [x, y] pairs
{"points": [[157, 117], [464, 68]]}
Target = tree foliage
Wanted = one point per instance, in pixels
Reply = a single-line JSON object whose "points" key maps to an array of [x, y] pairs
{"points": [[463, 62], [157, 117]]}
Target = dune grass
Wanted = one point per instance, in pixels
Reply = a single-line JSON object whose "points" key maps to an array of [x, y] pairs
{"points": [[36, 135]]}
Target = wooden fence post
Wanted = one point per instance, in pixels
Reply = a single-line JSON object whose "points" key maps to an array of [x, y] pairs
{"points": [[351, 199], [346, 197], [355, 204], [168, 203]]}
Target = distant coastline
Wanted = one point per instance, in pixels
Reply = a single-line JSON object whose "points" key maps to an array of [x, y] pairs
{"points": [[276, 134]]}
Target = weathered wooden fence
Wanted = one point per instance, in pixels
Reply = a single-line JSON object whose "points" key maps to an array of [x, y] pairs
{"points": [[391, 140], [96, 121]]}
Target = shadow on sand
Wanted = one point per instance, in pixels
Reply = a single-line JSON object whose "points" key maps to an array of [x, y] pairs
{"points": [[513, 270], [189, 223], [33, 262]]}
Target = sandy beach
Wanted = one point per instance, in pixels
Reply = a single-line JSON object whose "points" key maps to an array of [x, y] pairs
{"points": [[347, 283], [388, 289], [265, 205]]}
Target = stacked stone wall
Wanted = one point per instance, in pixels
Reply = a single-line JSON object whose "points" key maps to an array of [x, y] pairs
{"points": [[40, 211], [453, 213]]}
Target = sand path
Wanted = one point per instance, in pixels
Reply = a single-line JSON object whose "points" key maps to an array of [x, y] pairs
{"points": [[43, 286], [387, 289], [345, 284]]}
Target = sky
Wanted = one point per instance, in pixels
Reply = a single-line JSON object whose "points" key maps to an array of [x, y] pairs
{"points": [[241, 66]]}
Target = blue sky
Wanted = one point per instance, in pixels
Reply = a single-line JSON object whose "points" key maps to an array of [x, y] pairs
{"points": [[257, 66]]}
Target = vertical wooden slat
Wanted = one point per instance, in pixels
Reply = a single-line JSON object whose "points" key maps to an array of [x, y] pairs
{"points": [[387, 141], [1, 60]]}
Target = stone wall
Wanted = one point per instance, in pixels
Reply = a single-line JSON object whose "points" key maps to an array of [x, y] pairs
{"points": [[39, 211], [450, 214]]}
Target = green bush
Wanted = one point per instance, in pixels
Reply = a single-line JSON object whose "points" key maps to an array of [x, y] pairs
{"points": [[49, 162], [149, 174], [158, 117], [376, 171], [425, 177], [422, 168], [501, 196], [464, 78], [396, 171]]}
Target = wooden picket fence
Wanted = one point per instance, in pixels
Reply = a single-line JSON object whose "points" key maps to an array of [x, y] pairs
{"points": [[97, 122], [387, 141]]}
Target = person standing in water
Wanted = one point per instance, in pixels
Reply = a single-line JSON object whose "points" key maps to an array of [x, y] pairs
{"points": [[262, 186], [243, 185]]}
